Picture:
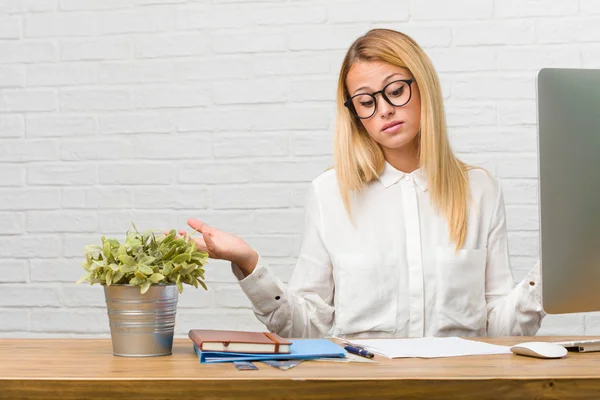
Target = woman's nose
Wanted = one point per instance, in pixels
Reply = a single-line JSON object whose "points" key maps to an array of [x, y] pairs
{"points": [[384, 108]]}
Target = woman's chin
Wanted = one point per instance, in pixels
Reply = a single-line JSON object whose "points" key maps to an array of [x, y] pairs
{"points": [[400, 141]]}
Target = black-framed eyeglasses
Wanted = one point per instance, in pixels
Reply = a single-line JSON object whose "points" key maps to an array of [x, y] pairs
{"points": [[396, 93]]}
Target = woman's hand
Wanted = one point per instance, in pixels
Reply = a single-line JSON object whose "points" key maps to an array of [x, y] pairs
{"points": [[224, 246]]}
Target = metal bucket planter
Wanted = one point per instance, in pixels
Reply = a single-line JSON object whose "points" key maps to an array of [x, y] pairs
{"points": [[141, 325]]}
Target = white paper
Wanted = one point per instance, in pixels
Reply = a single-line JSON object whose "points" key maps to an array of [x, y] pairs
{"points": [[429, 347]]}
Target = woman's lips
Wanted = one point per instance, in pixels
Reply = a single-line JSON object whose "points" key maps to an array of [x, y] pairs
{"points": [[393, 127]]}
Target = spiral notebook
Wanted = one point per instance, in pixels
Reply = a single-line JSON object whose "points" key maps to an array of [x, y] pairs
{"points": [[301, 349]]}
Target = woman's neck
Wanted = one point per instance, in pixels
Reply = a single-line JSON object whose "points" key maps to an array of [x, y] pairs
{"points": [[403, 159]]}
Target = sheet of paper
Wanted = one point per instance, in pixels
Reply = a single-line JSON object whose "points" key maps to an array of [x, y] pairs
{"points": [[429, 347]]}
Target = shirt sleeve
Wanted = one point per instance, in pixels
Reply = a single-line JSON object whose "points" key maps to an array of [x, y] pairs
{"points": [[303, 308], [512, 310]]}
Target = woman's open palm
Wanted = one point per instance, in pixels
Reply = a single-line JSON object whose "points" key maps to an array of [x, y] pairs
{"points": [[219, 244]]}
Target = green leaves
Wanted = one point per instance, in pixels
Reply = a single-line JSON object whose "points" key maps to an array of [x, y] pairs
{"points": [[155, 278], [107, 250], [145, 286], [181, 258], [146, 270], [179, 284], [108, 277], [127, 269], [145, 259], [127, 260]]}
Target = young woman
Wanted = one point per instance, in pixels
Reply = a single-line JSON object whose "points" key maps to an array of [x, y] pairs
{"points": [[401, 238]]}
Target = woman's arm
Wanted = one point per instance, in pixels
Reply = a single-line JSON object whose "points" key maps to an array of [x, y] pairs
{"points": [[305, 307], [511, 310]]}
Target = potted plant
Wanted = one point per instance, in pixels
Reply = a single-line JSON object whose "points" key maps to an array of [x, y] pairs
{"points": [[142, 278]]}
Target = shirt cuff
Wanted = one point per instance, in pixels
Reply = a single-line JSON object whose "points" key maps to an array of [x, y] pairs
{"points": [[532, 290], [263, 288]]}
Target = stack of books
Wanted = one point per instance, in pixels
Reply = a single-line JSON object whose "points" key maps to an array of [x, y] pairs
{"points": [[217, 346]]}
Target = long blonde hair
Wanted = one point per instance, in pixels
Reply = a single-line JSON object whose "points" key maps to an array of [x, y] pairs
{"points": [[358, 159]]}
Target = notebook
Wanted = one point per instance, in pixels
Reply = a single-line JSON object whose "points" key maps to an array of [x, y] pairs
{"points": [[302, 349], [239, 341]]}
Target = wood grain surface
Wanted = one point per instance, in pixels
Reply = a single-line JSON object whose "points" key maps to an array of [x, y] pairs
{"points": [[86, 368]]}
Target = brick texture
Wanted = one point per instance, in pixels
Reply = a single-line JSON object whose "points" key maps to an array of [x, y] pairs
{"points": [[155, 111]]}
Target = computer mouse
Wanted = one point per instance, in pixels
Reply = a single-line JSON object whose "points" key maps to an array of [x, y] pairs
{"points": [[539, 349]]}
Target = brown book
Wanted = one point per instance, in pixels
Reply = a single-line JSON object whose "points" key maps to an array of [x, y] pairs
{"points": [[239, 341]]}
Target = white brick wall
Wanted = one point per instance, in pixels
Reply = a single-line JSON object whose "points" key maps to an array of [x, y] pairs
{"points": [[155, 111]]}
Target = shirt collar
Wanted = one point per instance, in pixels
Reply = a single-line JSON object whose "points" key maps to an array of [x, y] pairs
{"points": [[391, 175]]}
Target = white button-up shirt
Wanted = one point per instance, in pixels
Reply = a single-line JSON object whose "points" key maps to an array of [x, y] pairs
{"points": [[394, 272]]}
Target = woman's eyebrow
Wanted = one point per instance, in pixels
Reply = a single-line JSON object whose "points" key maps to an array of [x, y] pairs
{"points": [[385, 80]]}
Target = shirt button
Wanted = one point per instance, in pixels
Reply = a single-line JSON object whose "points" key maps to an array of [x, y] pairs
{"points": [[407, 177]]}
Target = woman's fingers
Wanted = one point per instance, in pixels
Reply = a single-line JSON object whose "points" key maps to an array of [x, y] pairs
{"points": [[208, 239], [196, 224], [204, 242], [201, 245], [181, 233]]}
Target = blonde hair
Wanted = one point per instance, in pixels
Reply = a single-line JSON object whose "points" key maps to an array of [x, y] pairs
{"points": [[358, 159]]}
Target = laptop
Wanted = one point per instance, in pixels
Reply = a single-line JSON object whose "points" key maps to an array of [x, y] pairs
{"points": [[581, 346]]}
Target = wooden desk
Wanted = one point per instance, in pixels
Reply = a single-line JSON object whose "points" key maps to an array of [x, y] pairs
{"points": [[86, 368]]}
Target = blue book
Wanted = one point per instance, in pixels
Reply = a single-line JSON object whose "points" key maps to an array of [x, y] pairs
{"points": [[302, 349]]}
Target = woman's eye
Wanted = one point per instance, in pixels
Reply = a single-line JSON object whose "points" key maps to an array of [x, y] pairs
{"points": [[397, 92], [366, 103]]}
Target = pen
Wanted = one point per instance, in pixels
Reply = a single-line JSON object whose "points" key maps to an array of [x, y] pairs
{"points": [[359, 351]]}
